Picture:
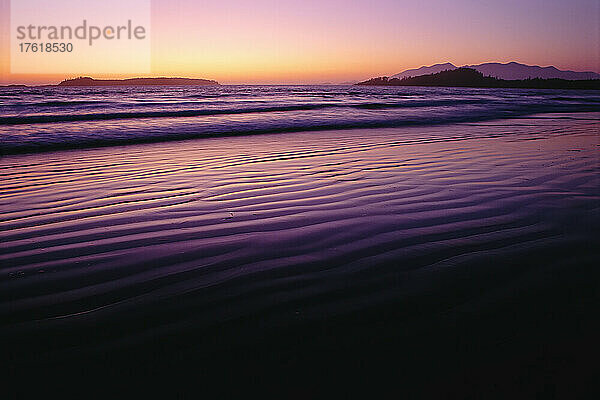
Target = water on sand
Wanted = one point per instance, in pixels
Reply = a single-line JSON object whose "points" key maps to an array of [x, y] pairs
{"points": [[318, 251]]}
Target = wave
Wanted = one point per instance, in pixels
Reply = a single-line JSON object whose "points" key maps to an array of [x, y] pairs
{"points": [[120, 134], [65, 103], [35, 119]]}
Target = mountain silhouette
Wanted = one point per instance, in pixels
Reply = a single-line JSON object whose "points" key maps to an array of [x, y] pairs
{"points": [[511, 70], [469, 77], [424, 70]]}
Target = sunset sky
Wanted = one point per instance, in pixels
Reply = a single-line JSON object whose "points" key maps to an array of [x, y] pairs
{"points": [[314, 41]]}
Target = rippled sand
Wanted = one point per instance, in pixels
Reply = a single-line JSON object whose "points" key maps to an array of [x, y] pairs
{"points": [[304, 254]]}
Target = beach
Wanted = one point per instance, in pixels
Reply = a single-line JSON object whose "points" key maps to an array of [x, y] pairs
{"points": [[438, 258]]}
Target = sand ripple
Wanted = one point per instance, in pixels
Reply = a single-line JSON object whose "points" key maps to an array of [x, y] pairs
{"points": [[162, 237]]}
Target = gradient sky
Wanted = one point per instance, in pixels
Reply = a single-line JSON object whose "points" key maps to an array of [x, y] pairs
{"points": [[312, 41]]}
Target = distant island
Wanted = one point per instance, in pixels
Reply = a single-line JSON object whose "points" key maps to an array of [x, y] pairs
{"points": [[87, 81], [510, 71], [468, 77]]}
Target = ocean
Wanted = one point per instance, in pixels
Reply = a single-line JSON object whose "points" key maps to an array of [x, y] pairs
{"points": [[39, 119]]}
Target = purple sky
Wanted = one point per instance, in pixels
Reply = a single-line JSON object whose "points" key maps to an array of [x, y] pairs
{"points": [[237, 41]]}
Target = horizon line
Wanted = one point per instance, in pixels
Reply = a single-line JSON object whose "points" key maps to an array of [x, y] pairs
{"points": [[304, 83]]}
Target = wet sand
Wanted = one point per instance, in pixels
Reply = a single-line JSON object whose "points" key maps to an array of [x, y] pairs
{"points": [[442, 260]]}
